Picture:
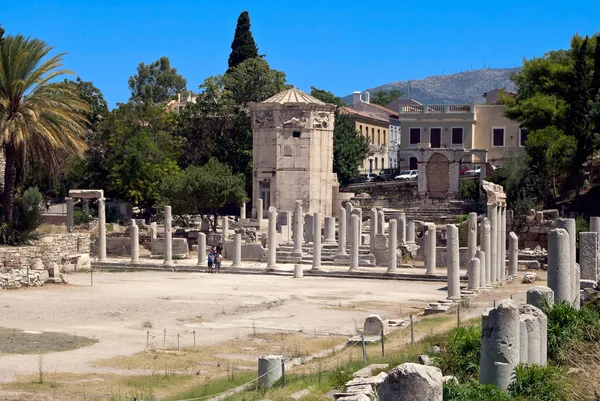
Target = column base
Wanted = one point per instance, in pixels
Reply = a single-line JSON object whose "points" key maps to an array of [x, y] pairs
{"points": [[168, 263], [234, 265], [392, 270], [297, 254], [316, 268], [352, 269], [271, 267], [454, 298], [135, 262]]}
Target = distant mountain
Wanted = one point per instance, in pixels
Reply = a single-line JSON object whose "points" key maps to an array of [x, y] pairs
{"points": [[464, 87]]}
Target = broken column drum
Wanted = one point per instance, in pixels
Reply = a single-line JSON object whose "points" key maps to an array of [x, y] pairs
{"points": [[412, 382], [202, 249], [536, 325], [559, 265], [243, 211], [135, 242], [316, 260], [481, 256], [595, 227], [588, 255], [570, 226], [539, 296], [272, 238], [237, 250], [401, 218], [474, 272], [168, 239], [259, 209], [392, 246], [513, 254], [342, 233], [430, 248], [355, 243], [298, 229], [452, 256], [269, 370], [410, 232]]}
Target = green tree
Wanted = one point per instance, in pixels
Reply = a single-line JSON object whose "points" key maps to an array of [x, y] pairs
{"points": [[349, 148], [156, 82], [93, 97], [384, 98], [243, 46], [596, 77], [326, 96], [208, 187], [40, 119]]}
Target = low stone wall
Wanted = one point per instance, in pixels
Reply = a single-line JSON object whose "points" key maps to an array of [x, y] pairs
{"points": [[50, 248]]}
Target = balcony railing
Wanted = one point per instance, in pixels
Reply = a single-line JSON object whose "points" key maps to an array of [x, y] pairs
{"points": [[438, 108]]}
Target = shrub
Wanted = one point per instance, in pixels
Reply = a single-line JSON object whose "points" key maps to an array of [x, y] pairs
{"points": [[26, 217], [469, 188], [82, 216], [340, 376], [461, 356], [539, 383], [473, 391]]}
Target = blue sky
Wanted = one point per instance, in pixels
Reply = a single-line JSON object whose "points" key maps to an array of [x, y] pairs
{"points": [[341, 46]]}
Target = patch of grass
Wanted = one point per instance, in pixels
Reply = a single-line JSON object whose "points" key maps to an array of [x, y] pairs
{"points": [[215, 387], [461, 355], [539, 383], [473, 391], [13, 341]]}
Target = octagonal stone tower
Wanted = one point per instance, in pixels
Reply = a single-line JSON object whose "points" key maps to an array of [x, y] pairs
{"points": [[292, 152]]}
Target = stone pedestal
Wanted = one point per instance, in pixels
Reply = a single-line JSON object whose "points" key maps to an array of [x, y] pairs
{"points": [[201, 249], [392, 246], [259, 209], [329, 230], [499, 344], [472, 236], [513, 254], [237, 251], [298, 229], [570, 226], [342, 233], [559, 265], [316, 260], [452, 255], [481, 256], [493, 251], [101, 230], [298, 271], [474, 274], [588, 255], [412, 382], [355, 243], [272, 238], [430, 248], [134, 236], [70, 220], [269, 370], [168, 237], [540, 295], [410, 232]]}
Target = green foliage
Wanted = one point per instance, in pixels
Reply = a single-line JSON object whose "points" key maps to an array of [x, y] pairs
{"points": [[92, 96], [83, 216], [26, 218], [473, 391], [243, 46], [253, 80], [326, 96], [539, 383], [383, 98], [469, 189], [156, 82], [461, 355], [340, 376], [349, 148]]}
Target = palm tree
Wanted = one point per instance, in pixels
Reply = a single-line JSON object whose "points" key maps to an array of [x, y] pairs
{"points": [[40, 120]]}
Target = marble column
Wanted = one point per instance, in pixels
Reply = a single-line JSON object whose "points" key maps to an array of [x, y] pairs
{"points": [[259, 209], [355, 243], [372, 228], [392, 246], [224, 227], [503, 231], [380, 222], [513, 254], [471, 236], [486, 247], [168, 239], [349, 209], [243, 211], [329, 230], [588, 255], [493, 251], [559, 265], [101, 230], [70, 220], [474, 273], [342, 233], [537, 335], [401, 218], [430, 248], [570, 226], [358, 212], [134, 236], [237, 251], [500, 249], [272, 239], [410, 232], [316, 260], [499, 344], [595, 227], [202, 249], [452, 256], [540, 295], [298, 229], [481, 256]]}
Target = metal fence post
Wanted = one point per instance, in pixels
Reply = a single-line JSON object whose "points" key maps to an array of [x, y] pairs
{"points": [[364, 348], [412, 331]]}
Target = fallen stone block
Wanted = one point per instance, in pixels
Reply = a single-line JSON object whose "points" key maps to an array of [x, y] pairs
{"points": [[367, 371], [529, 278], [412, 382]]}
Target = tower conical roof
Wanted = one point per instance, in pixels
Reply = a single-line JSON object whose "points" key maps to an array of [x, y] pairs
{"points": [[293, 95]]}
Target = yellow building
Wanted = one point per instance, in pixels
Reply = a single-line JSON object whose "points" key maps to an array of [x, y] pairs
{"points": [[376, 129]]}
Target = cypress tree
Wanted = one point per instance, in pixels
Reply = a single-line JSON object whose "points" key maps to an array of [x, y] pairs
{"points": [[243, 46], [596, 77]]}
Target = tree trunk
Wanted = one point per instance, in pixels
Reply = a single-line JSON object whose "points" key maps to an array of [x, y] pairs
{"points": [[10, 175], [215, 220]]}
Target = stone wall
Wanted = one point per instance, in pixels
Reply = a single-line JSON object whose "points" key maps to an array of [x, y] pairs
{"points": [[50, 248]]}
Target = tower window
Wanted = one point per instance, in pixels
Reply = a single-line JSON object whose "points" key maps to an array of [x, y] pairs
{"points": [[296, 134]]}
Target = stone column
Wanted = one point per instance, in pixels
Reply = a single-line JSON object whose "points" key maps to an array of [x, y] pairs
{"points": [[452, 256], [289, 223], [349, 209], [272, 239], [523, 338], [355, 243], [259, 209], [493, 251], [559, 265], [243, 211], [202, 249], [224, 227], [430, 248], [342, 233], [481, 256], [474, 273], [488, 253], [540, 295], [308, 228], [588, 255], [358, 212], [329, 230], [412, 382], [392, 246], [269, 370], [168, 239], [500, 248], [472, 236], [298, 229], [134, 236], [401, 218], [570, 226], [595, 227], [410, 232], [372, 228], [237, 251], [316, 260], [101, 230], [499, 344], [536, 326], [380, 222], [513, 254], [503, 243], [70, 221]]}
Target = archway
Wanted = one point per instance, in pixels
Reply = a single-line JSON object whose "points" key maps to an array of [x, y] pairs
{"points": [[438, 178]]}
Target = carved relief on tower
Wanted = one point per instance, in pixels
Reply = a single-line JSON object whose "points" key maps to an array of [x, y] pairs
{"points": [[293, 119], [321, 120], [263, 119]]}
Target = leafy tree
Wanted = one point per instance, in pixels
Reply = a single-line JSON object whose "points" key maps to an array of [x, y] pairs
{"points": [[253, 80], [596, 77], [156, 82], [39, 119], [208, 187], [349, 148], [243, 46], [326, 96], [93, 97], [384, 98]]}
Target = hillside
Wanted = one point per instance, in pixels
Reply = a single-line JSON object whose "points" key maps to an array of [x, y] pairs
{"points": [[464, 87]]}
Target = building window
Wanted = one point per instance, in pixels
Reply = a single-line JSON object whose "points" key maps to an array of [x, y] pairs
{"points": [[373, 136], [412, 163], [384, 137], [415, 136], [360, 128], [435, 137], [522, 137], [296, 134], [378, 136], [287, 151], [382, 162], [375, 163], [457, 136], [497, 137]]}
